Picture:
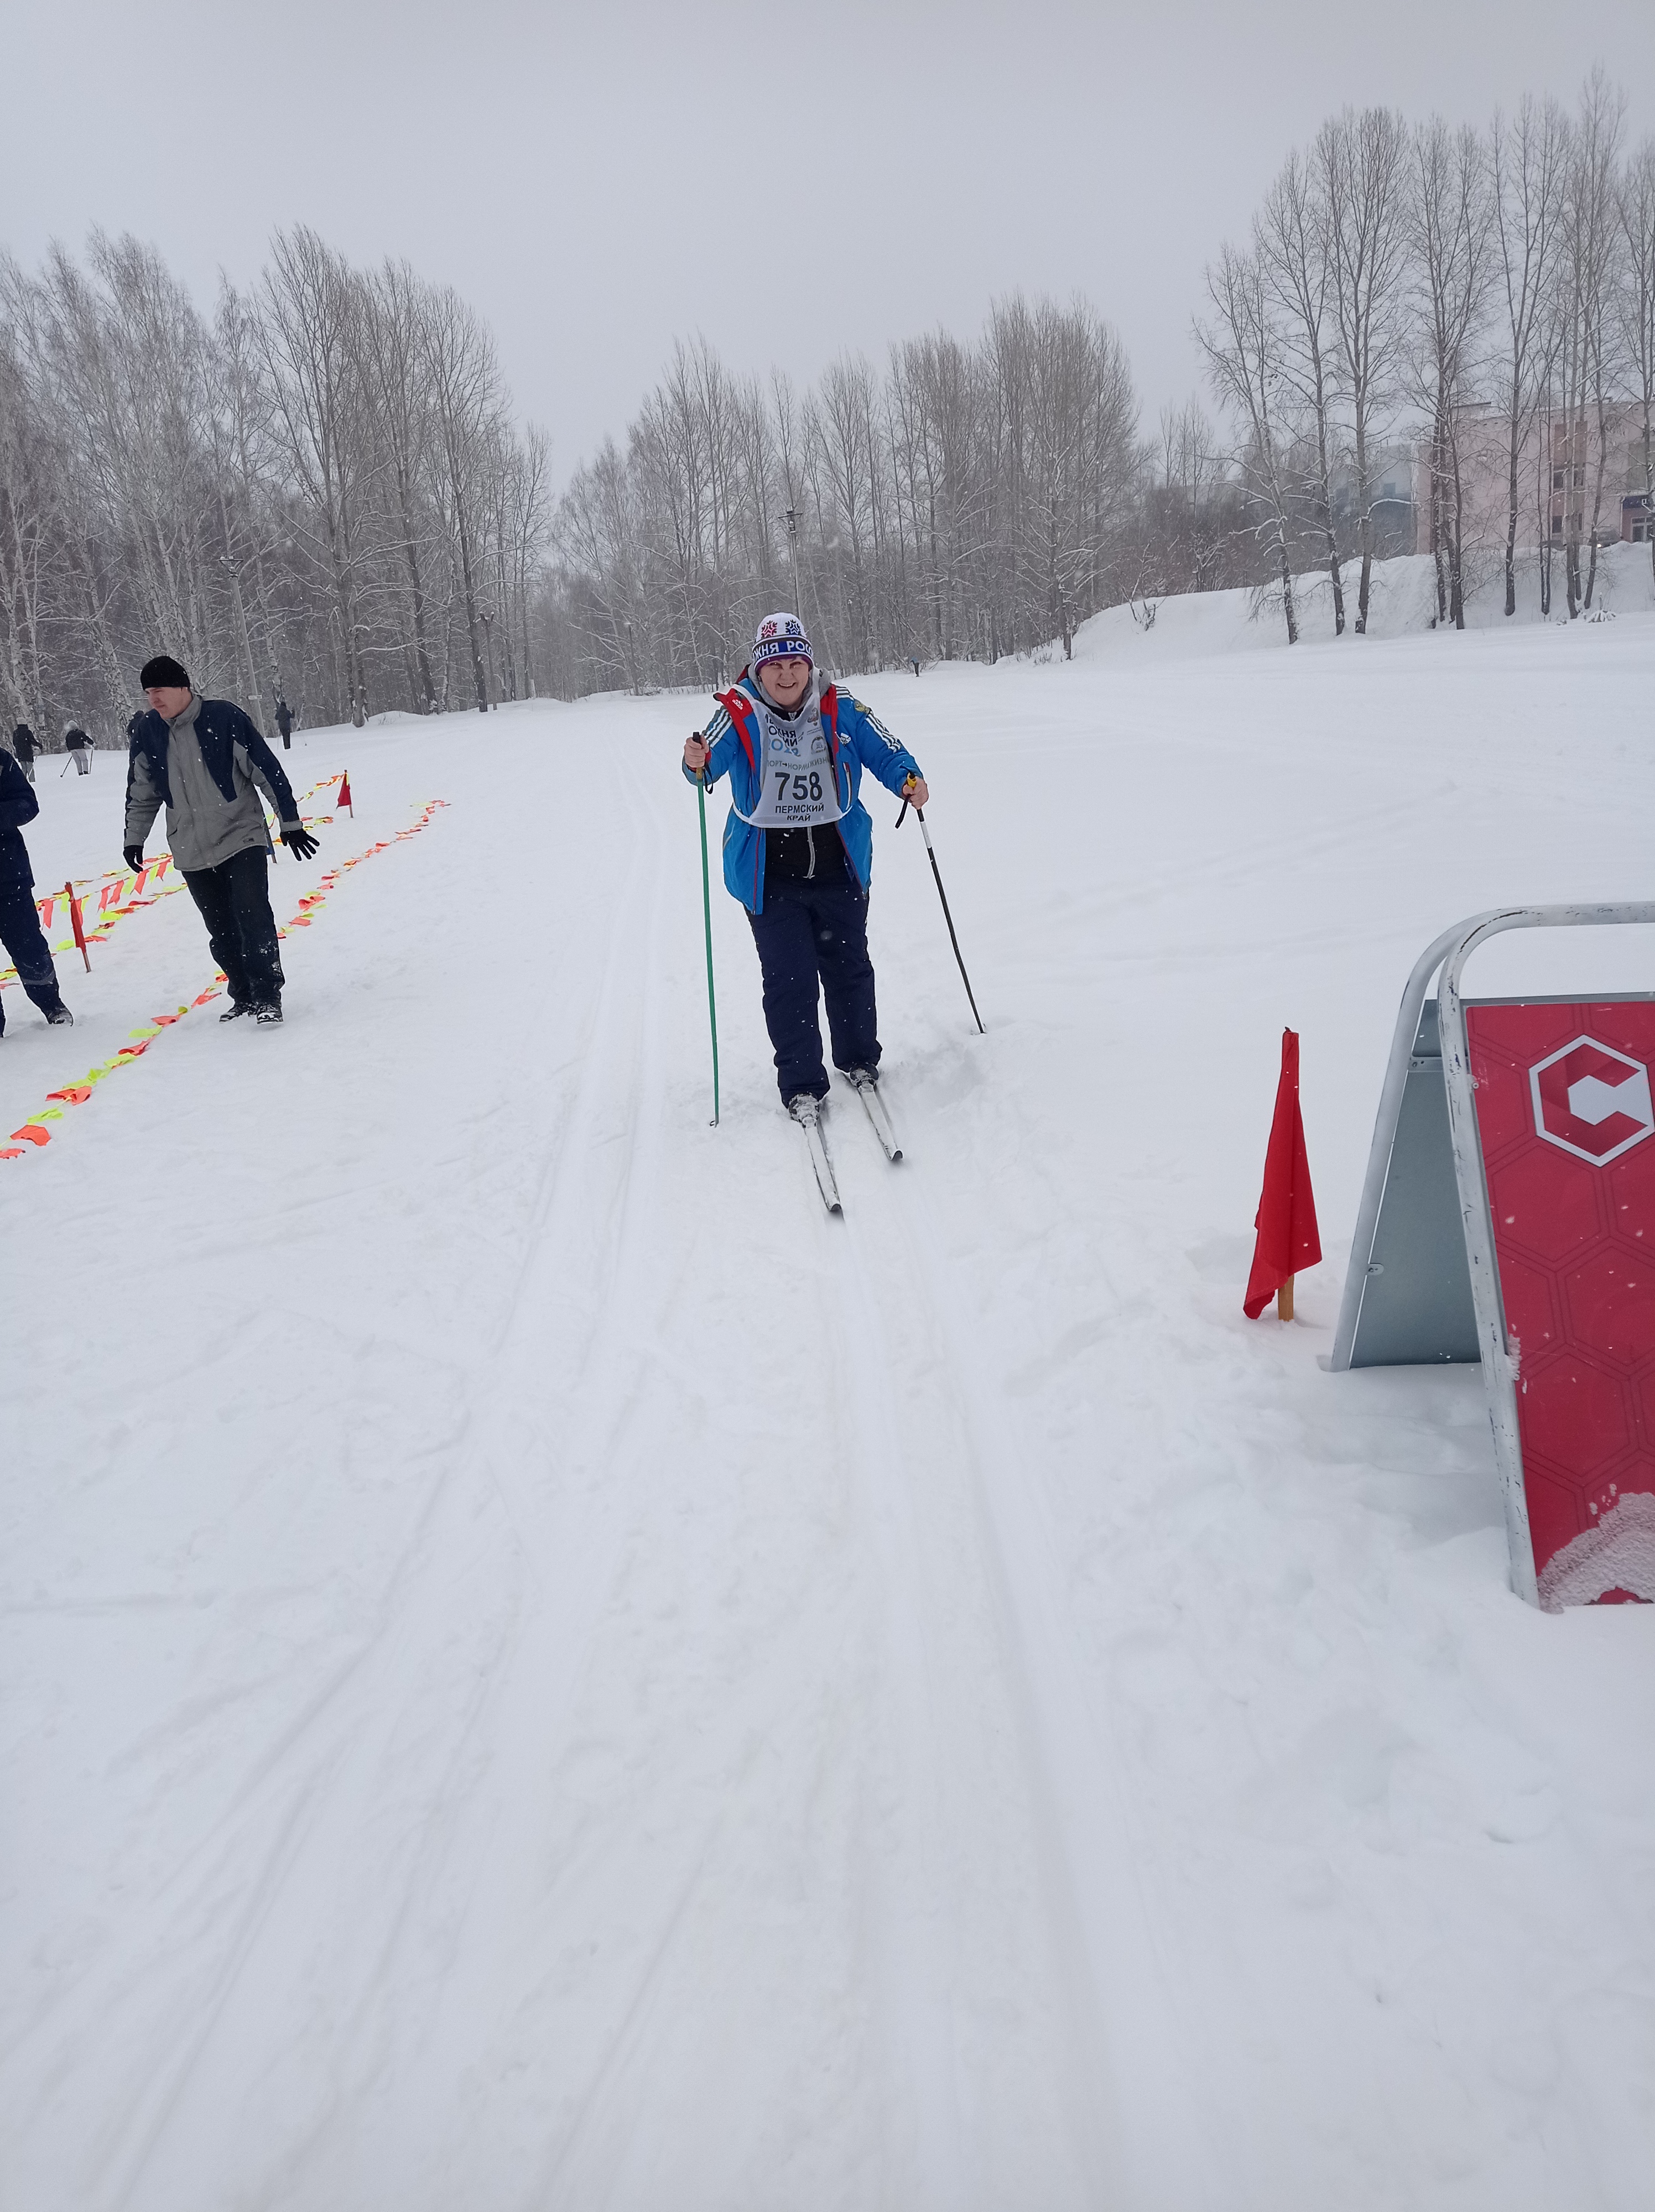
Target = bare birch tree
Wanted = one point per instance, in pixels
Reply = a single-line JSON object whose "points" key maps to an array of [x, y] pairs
{"points": [[1526, 155], [1451, 216], [1292, 238], [1360, 162], [307, 336], [1243, 350], [1635, 208]]}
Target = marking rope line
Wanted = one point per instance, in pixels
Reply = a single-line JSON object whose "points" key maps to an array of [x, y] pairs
{"points": [[35, 1134]]}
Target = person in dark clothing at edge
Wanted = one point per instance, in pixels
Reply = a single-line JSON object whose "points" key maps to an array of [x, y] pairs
{"points": [[20, 925], [284, 722], [798, 850], [75, 741], [203, 757], [27, 748]]}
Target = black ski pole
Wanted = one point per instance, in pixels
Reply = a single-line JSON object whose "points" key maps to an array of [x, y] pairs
{"points": [[919, 815]]}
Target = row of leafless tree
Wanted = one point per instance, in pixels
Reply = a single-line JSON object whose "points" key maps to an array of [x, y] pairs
{"points": [[969, 501], [1491, 293], [318, 494]]}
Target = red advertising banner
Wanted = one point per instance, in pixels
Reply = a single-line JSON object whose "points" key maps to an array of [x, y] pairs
{"points": [[1564, 1119]]}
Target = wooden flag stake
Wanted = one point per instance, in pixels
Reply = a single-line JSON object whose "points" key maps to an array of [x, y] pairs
{"points": [[74, 917], [1284, 1301]]}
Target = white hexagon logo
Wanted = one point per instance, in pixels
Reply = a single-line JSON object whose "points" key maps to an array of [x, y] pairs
{"points": [[1591, 1101]]}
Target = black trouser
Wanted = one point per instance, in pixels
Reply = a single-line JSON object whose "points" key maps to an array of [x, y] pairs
{"points": [[809, 930], [234, 901], [24, 938]]}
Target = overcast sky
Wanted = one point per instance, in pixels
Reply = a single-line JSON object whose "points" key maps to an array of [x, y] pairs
{"points": [[791, 180]]}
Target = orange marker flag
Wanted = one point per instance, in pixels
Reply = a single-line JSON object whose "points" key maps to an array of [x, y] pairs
{"points": [[1288, 1238]]}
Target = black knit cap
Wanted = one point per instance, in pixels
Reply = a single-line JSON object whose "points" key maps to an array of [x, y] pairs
{"points": [[163, 671]]}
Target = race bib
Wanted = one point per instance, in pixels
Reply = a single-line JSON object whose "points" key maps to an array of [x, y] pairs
{"points": [[800, 791]]}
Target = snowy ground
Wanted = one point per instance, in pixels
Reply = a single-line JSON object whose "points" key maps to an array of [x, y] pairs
{"points": [[539, 1671]]}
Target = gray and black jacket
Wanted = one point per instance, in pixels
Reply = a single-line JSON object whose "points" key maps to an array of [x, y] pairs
{"points": [[207, 768]]}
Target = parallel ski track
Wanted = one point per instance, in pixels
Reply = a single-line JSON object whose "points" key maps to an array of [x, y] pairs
{"points": [[596, 1187], [898, 1329]]}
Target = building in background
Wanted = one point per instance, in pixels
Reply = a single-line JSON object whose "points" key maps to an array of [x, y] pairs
{"points": [[1555, 500]]}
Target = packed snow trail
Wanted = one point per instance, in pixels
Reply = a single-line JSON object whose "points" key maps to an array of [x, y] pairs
{"points": [[542, 1669]]}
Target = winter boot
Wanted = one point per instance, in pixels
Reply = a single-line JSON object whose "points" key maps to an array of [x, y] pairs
{"points": [[269, 1016], [59, 1017]]}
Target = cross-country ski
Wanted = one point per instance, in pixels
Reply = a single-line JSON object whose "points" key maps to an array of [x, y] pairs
{"points": [[808, 1115], [868, 1090]]}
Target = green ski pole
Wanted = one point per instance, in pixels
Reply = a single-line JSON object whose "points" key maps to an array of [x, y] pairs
{"points": [[707, 916]]}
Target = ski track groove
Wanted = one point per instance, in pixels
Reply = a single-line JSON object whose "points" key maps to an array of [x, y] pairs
{"points": [[357, 1709], [912, 1969], [605, 1182], [895, 1283]]}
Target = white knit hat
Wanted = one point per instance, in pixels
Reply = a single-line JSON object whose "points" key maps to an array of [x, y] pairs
{"points": [[781, 637]]}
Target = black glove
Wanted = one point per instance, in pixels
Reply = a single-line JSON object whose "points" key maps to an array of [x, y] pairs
{"points": [[300, 843], [133, 856]]}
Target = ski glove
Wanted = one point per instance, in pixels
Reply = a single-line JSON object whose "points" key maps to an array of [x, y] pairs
{"points": [[133, 856], [299, 842]]}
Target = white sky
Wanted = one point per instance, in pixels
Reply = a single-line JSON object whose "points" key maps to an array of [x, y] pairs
{"points": [[791, 180]]}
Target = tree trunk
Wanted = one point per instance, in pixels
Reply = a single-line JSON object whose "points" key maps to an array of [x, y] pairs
{"points": [[1511, 527]]}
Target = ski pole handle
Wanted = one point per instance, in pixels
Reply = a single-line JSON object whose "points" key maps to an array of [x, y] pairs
{"points": [[902, 817]]}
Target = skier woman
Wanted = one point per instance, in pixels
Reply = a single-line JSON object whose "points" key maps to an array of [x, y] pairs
{"points": [[798, 850]]}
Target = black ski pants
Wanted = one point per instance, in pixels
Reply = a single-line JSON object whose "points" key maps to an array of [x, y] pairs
{"points": [[24, 938], [234, 901], [809, 932]]}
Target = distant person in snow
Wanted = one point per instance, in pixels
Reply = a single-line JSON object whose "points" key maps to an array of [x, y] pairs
{"points": [[20, 925], [284, 722], [25, 745], [76, 742], [798, 850], [202, 758]]}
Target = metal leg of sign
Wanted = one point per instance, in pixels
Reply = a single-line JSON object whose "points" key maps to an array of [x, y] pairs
{"points": [[1500, 1365], [1384, 1137]]}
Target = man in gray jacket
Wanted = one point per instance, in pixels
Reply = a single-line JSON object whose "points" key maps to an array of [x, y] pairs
{"points": [[202, 758]]}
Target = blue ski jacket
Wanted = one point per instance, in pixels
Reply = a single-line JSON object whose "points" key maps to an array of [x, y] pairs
{"points": [[856, 739]]}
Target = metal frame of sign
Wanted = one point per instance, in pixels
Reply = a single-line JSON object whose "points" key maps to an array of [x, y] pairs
{"points": [[1397, 1070], [1409, 1289], [1449, 953]]}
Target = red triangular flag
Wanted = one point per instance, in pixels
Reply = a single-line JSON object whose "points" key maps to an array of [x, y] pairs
{"points": [[343, 799], [1286, 1220]]}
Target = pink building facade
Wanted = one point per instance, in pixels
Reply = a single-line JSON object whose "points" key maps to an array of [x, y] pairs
{"points": [[1554, 502]]}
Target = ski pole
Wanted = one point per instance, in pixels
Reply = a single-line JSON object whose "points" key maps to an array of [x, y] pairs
{"points": [[707, 916], [919, 816]]}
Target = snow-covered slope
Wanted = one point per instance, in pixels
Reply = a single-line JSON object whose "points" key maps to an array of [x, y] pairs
{"points": [[541, 1671], [1404, 602]]}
